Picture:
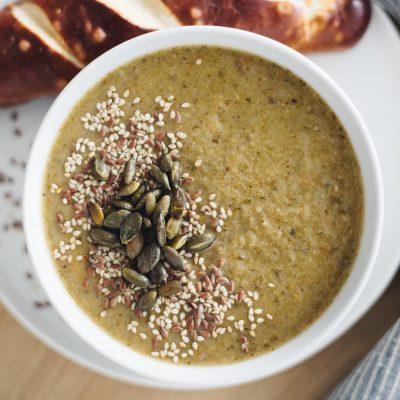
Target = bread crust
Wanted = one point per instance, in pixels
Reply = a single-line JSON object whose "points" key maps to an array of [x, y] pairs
{"points": [[330, 25], [28, 67]]}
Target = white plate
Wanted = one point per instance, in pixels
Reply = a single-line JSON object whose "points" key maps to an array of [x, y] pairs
{"points": [[369, 73]]}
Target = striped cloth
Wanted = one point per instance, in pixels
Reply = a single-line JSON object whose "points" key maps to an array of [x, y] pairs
{"points": [[377, 377]]}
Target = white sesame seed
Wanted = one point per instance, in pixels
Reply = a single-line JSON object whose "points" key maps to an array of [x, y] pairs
{"points": [[185, 105], [197, 163], [142, 336], [198, 61]]}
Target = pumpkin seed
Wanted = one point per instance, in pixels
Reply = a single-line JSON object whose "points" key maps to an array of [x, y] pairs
{"points": [[160, 230], [178, 203], [122, 204], [173, 227], [159, 274], [128, 189], [199, 242], [146, 223], [135, 246], [96, 213], [147, 301], [165, 162], [173, 258], [175, 174], [178, 242], [115, 218], [170, 289], [138, 195], [140, 204], [148, 258], [134, 277], [162, 207], [129, 171], [130, 227], [105, 238], [150, 203], [100, 170], [160, 177]]}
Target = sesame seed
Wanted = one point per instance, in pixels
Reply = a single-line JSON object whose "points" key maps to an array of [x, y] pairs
{"points": [[142, 336], [198, 61], [197, 163], [185, 105]]}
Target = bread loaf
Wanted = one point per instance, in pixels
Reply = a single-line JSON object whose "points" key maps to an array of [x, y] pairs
{"points": [[44, 43]]}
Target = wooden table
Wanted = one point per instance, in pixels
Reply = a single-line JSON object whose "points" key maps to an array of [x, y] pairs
{"points": [[30, 370]]}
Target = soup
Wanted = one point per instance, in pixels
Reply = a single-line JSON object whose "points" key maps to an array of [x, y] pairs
{"points": [[203, 205]]}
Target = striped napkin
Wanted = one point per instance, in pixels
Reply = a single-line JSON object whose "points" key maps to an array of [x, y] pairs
{"points": [[377, 377]]}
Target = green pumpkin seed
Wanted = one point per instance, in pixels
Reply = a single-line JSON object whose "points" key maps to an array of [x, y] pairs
{"points": [[129, 171], [178, 203], [130, 227], [173, 227], [170, 289], [175, 174], [160, 230], [96, 213], [178, 242], [126, 205], [159, 275], [148, 258], [129, 189], [140, 204], [160, 177], [135, 246], [200, 242], [146, 223], [105, 238], [165, 162], [173, 258], [162, 207], [115, 218], [138, 195], [147, 301], [150, 203], [134, 277], [100, 170]]}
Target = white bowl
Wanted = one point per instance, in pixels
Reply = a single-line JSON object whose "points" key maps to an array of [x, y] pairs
{"points": [[297, 349]]}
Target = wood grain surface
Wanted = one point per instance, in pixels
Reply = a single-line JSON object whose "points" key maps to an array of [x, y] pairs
{"points": [[30, 370]]}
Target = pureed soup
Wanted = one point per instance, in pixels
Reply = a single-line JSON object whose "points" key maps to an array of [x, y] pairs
{"points": [[203, 205]]}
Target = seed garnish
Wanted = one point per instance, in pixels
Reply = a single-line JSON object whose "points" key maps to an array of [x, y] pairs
{"points": [[127, 189]]}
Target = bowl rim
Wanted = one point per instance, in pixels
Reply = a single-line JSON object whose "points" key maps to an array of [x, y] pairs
{"points": [[295, 350]]}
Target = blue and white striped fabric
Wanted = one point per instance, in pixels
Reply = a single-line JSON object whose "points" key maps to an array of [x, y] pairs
{"points": [[377, 377]]}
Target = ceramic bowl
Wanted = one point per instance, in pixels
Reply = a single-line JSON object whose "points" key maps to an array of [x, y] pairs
{"points": [[297, 349]]}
